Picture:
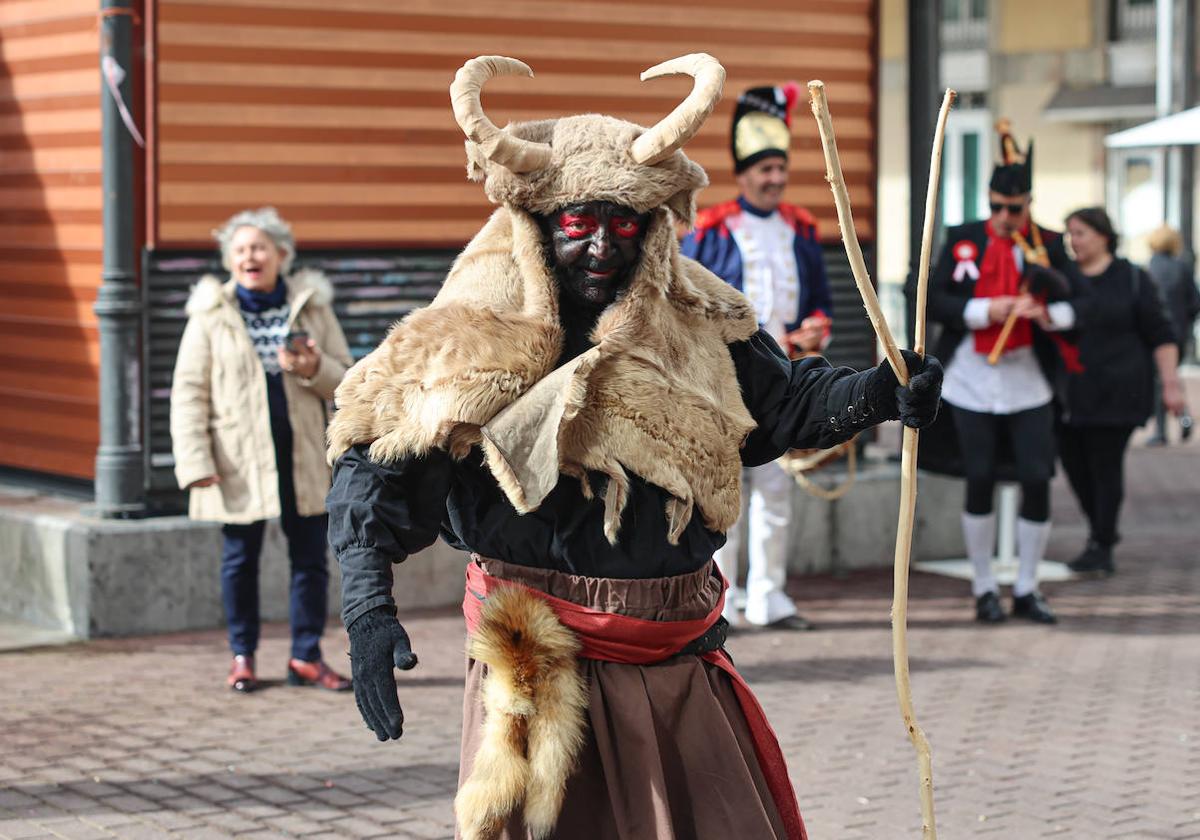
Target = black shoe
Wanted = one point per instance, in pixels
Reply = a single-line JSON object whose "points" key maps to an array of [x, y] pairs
{"points": [[791, 622], [1185, 425], [988, 609], [1085, 556], [1095, 558], [1034, 607]]}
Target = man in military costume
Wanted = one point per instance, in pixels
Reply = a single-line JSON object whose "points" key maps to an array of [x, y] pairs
{"points": [[768, 250]]}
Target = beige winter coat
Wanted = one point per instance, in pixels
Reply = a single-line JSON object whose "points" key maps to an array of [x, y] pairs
{"points": [[220, 422]]}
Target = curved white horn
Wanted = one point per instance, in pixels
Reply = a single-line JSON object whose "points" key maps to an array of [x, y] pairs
{"points": [[512, 153], [675, 129]]}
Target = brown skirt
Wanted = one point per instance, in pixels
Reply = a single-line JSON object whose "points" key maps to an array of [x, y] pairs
{"points": [[668, 753]]}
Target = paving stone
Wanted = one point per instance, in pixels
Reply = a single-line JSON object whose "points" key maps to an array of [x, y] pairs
{"points": [[74, 829], [20, 829]]}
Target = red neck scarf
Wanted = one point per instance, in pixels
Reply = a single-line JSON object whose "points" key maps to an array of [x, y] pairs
{"points": [[999, 275]]}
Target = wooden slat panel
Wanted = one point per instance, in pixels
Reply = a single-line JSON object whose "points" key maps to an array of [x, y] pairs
{"points": [[50, 234], [43, 453], [343, 120], [36, 121], [15, 13], [32, 85], [77, 310], [786, 15], [47, 159], [82, 41], [26, 278], [72, 346], [53, 235]]}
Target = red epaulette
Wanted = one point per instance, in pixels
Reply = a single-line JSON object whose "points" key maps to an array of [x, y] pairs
{"points": [[801, 220], [713, 218]]}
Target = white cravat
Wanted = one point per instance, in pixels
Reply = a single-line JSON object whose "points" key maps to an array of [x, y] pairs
{"points": [[769, 276]]}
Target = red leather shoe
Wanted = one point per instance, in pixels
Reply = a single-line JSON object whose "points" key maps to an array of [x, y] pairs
{"points": [[241, 674], [316, 673]]}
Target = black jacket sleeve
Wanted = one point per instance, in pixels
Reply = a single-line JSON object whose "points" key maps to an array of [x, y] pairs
{"points": [[1152, 323], [803, 404], [1056, 280], [943, 306], [378, 515]]}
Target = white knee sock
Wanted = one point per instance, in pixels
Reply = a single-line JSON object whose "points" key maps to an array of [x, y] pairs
{"points": [[1031, 547], [979, 533]]}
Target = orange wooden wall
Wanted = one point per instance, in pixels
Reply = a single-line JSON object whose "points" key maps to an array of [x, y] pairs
{"points": [[338, 113], [50, 234]]}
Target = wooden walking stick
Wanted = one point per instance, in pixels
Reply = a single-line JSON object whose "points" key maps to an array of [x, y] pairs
{"points": [[908, 472]]}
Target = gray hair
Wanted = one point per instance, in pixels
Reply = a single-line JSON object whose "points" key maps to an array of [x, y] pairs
{"points": [[266, 219]]}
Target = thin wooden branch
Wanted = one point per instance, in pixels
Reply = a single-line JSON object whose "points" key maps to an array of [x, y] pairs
{"points": [[908, 504], [931, 197], [1001, 340], [841, 198]]}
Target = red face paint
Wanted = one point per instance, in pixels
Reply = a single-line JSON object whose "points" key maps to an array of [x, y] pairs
{"points": [[625, 227], [577, 226]]}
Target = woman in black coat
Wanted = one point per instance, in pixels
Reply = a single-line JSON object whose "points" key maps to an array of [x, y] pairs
{"points": [[1123, 335], [1176, 282]]}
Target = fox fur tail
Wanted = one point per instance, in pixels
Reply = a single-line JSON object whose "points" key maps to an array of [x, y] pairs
{"points": [[534, 703]]}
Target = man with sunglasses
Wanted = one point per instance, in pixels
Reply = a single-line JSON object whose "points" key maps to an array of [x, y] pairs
{"points": [[1001, 292]]}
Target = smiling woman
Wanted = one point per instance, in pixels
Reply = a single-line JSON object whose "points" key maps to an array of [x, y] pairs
{"points": [[260, 357]]}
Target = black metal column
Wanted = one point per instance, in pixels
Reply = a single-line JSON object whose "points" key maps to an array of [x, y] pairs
{"points": [[120, 485], [1187, 98], [924, 99]]}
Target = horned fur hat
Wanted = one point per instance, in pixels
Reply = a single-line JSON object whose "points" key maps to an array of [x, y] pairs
{"points": [[548, 164]]}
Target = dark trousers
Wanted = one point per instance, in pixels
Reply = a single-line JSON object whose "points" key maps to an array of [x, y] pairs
{"points": [[1031, 436], [306, 536], [1093, 458]]}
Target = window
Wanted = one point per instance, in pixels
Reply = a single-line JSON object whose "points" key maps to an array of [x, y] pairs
{"points": [[962, 10], [1135, 193], [964, 23], [1133, 20], [970, 179], [966, 167]]}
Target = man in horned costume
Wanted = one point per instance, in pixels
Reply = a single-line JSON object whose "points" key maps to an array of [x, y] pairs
{"points": [[1001, 290], [574, 409], [768, 250]]}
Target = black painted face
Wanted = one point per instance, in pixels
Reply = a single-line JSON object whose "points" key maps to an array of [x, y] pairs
{"points": [[594, 249]]}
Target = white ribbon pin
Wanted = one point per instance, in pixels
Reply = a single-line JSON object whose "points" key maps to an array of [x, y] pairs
{"points": [[966, 252]]}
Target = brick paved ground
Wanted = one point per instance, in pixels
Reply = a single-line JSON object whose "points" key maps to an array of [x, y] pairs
{"points": [[1088, 730]]}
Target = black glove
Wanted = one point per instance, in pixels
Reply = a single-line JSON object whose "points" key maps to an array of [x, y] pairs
{"points": [[1047, 281], [378, 642], [917, 403]]}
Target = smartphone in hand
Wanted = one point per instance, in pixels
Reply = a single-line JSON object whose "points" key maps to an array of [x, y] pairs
{"points": [[296, 340]]}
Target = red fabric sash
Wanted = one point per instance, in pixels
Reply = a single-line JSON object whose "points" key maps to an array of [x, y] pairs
{"points": [[998, 275], [636, 641], [1068, 351]]}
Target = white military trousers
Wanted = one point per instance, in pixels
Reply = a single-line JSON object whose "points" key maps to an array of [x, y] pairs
{"points": [[766, 514]]}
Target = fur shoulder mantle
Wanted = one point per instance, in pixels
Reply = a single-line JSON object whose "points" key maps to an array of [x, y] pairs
{"points": [[657, 395]]}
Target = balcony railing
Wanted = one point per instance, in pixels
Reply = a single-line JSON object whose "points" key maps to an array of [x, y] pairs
{"points": [[965, 33], [1135, 20]]}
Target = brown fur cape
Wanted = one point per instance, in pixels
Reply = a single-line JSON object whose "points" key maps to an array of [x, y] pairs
{"points": [[658, 396]]}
